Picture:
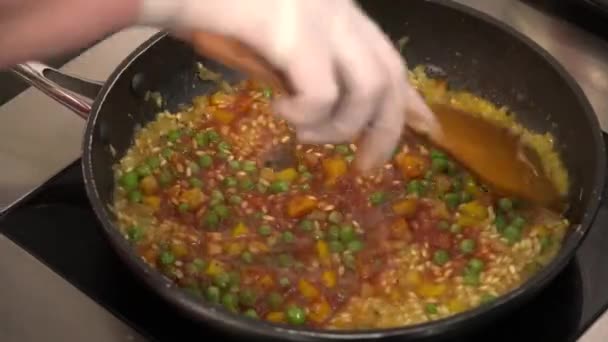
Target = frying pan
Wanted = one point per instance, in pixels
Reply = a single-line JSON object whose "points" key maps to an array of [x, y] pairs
{"points": [[476, 53]]}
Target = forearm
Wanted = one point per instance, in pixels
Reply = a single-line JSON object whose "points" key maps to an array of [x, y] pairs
{"points": [[34, 29]]}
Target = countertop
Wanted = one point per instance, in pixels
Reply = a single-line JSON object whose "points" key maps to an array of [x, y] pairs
{"points": [[38, 138]]}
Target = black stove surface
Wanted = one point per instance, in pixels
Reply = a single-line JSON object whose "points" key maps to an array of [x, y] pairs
{"points": [[57, 225]]}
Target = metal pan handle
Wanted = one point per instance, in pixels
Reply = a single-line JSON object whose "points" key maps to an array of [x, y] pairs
{"points": [[75, 93]]}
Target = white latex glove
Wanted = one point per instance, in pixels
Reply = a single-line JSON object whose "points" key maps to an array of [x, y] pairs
{"points": [[348, 77]]}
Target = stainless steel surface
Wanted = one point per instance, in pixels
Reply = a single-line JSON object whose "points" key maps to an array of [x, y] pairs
{"points": [[34, 73], [38, 137], [38, 305]]}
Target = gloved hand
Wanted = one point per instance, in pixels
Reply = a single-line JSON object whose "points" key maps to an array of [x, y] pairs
{"points": [[348, 78]]}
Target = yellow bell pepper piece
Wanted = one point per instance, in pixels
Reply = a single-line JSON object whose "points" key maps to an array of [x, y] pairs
{"points": [[431, 290], [149, 185], [323, 252], [235, 248], [411, 165], [474, 210], [299, 206], [276, 317], [288, 175], [214, 268], [456, 305], [240, 230], [222, 116], [307, 289], [406, 207], [179, 249], [334, 168], [329, 279], [221, 98], [152, 202]]}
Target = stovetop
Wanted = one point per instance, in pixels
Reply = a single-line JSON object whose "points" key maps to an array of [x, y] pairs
{"points": [[57, 226]]}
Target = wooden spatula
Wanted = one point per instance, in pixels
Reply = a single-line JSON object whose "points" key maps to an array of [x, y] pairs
{"points": [[491, 152]]}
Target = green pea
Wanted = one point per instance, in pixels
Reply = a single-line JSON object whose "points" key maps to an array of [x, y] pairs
{"points": [[267, 92], [224, 146], [476, 265], [174, 135], [129, 181], [194, 168], [457, 185], [333, 232], [183, 207], [213, 294], [452, 200], [431, 309], [518, 222], [465, 197], [470, 278], [153, 162], [439, 165], [377, 198], [443, 225], [205, 161], [436, 154], [221, 210], [342, 149], [455, 228], [135, 233], [487, 298], [251, 314], [349, 261], [451, 168], [441, 257], [213, 136], [500, 222], [288, 237], [195, 183], [347, 233], [428, 175], [306, 225], [335, 217], [167, 153], [249, 166], [284, 282], [336, 246], [135, 196], [202, 139], [143, 170], [197, 265], [165, 178], [265, 230], [295, 315], [505, 204], [306, 176], [275, 300], [355, 246], [285, 260], [512, 234], [230, 301], [467, 246], [223, 155], [222, 280], [230, 182], [235, 165], [246, 184], [247, 257], [216, 197], [248, 297], [235, 199], [414, 187], [545, 242], [279, 186], [350, 158], [211, 220], [166, 258]]}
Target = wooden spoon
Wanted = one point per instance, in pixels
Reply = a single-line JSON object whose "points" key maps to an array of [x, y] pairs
{"points": [[491, 152]]}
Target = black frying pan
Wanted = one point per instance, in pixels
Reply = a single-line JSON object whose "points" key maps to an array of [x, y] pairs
{"points": [[477, 53]]}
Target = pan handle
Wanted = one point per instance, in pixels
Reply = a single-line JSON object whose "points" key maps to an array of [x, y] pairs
{"points": [[75, 93]]}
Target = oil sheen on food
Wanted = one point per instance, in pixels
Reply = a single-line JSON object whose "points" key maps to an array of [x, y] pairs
{"points": [[314, 243]]}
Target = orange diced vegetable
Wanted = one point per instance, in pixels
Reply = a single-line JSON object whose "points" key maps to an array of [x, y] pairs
{"points": [[193, 197], [240, 230], [149, 185], [179, 249], [288, 175], [152, 202], [299, 206], [431, 290], [406, 207], [323, 252], [276, 317], [222, 116], [266, 281], [400, 229], [235, 248], [474, 209], [320, 311], [411, 165], [413, 278], [307, 290], [329, 279], [221, 98], [334, 168], [267, 174]]}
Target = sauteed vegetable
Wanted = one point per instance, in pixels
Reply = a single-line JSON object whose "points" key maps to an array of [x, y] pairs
{"points": [[315, 243]]}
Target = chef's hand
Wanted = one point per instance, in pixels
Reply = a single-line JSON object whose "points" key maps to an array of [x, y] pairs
{"points": [[347, 77]]}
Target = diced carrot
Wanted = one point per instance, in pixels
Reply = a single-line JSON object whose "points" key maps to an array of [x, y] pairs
{"points": [[222, 116], [193, 197], [266, 281], [276, 317], [329, 278], [152, 202], [334, 168], [307, 290], [240, 230], [400, 229], [288, 175], [323, 252], [299, 206], [149, 185], [320, 311], [411, 165], [406, 207]]}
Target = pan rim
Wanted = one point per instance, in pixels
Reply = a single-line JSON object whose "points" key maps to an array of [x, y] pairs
{"points": [[208, 313]]}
